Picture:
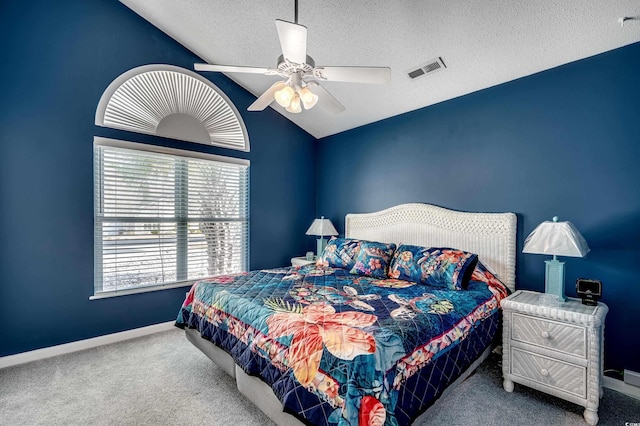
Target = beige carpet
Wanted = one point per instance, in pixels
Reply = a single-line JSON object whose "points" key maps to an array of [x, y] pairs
{"points": [[163, 380], [153, 380]]}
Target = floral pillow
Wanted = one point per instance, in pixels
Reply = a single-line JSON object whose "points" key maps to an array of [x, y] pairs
{"points": [[439, 267], [481, 273], [339, 253], [373, 259]]}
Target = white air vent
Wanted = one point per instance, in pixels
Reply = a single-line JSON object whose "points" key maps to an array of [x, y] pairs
{"points": [[429, 67]]}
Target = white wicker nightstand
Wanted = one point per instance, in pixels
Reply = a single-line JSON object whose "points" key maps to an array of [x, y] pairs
{"points": [[557, 350], [301, 261]]}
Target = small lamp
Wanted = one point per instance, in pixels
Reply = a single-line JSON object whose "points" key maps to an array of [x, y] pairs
{"points": [[558, 239], [321, 227]]}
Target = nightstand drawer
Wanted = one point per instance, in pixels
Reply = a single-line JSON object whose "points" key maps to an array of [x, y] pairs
{"points": [[558, 336], [549, 372]]}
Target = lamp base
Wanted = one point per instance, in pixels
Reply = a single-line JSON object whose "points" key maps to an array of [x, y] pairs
{"points": [[554, 278], [320, 245]]}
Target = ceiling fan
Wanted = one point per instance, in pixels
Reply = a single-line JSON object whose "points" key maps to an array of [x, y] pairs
{"points": [[301, 87]]}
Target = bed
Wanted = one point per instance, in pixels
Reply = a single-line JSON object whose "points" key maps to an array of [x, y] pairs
{"points": [[392, 317]]}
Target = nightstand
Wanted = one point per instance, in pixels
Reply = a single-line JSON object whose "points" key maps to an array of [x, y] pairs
{"points": [[557, 350], [301, 261]]}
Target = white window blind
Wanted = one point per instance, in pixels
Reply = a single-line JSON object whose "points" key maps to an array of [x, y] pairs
{"points": [[165, 216]]}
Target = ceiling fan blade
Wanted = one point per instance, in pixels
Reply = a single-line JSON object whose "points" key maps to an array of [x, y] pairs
{"points": [[267, 97], [370, 75], [326, 100], [231, 68], [293, 40]]}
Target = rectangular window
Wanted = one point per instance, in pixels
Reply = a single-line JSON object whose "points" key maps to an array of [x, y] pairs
{"points": [[166, 217]]}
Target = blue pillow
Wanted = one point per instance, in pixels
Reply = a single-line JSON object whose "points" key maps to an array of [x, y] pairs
{"points": [[436, 266], [373, 259], [339, 253]]}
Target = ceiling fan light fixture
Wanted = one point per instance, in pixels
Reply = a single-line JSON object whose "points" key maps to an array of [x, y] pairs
{"points": [[294, 106], [308, 98], [284, 96]]}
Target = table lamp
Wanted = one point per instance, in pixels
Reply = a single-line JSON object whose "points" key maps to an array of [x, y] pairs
{"points": [[321, 227], [557, 239]]}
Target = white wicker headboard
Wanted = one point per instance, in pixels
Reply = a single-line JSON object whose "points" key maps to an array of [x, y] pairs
{"points": [[492, 236]]}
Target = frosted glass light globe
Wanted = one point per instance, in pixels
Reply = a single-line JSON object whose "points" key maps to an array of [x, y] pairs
{"points": [[284, 96], [294, 106], [308, 98]]}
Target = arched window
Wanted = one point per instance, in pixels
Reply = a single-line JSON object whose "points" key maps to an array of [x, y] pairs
{"points": [[173, 102]]}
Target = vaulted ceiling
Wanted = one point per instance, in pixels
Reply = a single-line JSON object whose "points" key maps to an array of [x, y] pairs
{"points": [[482, 44]]}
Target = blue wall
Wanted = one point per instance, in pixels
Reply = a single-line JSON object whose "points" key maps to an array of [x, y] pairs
{"points": [[563, 142], [57, 60]]}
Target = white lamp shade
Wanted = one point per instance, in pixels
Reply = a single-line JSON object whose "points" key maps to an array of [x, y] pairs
{"points": [[294, 106], [308, 98], [284, 96], [556, 238], [322, 227]]}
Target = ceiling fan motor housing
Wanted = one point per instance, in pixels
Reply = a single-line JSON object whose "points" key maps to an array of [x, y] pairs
{"points": [[290, 67]]}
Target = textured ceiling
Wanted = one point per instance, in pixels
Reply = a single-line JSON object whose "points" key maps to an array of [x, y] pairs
{"points": [[482, 43]]}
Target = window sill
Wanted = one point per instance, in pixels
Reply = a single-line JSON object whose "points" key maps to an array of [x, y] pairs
{"points": [[108, 294]]}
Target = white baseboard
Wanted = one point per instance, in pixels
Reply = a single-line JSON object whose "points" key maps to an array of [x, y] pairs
{"points": [[622, 387], [38, 354]]}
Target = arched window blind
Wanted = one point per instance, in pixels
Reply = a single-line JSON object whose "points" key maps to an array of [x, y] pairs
{"points": [[173, 102], [166, 217]]}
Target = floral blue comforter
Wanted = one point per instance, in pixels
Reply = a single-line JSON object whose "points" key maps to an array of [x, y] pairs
{"points": [[345, 349]]}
